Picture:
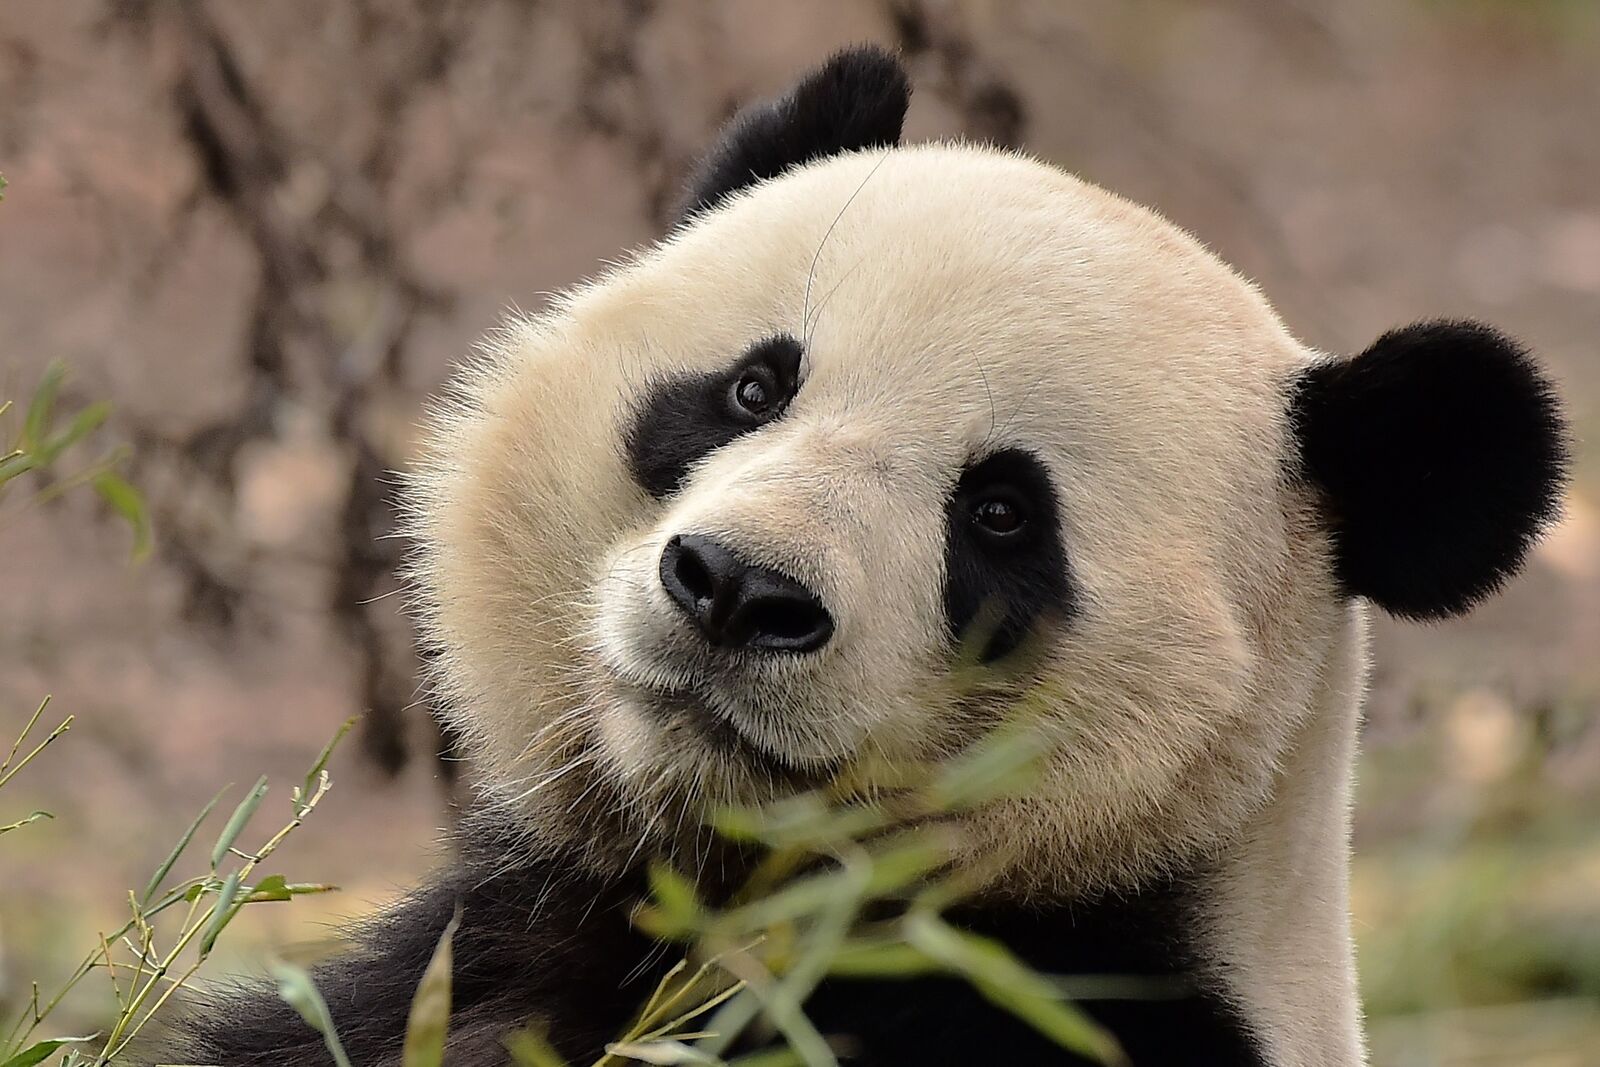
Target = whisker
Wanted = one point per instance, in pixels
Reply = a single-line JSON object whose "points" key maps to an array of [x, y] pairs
{"points": [[805, 309]]}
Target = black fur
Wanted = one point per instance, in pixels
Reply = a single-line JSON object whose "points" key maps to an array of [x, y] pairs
{"points": [[1143, 942], [540, 941], [857, 99], [1441, 453], [688, 416], [1017, 579], [536, 940]]}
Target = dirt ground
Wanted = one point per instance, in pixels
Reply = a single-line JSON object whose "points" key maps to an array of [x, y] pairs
{"points": [[266, 232]]}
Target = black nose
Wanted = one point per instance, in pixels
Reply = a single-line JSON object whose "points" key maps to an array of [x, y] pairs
{"points": [[736, 605]]}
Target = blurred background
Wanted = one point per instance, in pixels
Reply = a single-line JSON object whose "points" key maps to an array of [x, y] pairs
{"points": [[265, 232]]}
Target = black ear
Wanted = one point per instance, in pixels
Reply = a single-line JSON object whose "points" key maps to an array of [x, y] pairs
{"points": [[857, 99], [1442, 454]]}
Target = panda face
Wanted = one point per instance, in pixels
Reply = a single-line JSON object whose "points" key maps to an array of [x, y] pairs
{"points": [[883, 442], [736, 514]]}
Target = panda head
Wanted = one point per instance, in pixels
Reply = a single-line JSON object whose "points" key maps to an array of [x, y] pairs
{"points": [[882, 439]]}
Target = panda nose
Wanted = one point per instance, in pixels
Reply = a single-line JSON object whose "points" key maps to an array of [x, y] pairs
{"points": [[736, 605]]}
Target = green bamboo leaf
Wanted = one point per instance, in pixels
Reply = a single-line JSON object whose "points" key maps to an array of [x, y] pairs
{"points": [[34, 1054], [236, 822], [276, 887], [36, 424], [806, 820], [801, 897], [297, 990], [678, 905], [828, 932], [17, 463], [1006, 981], [905, 859], [82, 425], [128, 502], [222, 913], [881, 958], [172, 857], [168, 899], [272, 887], [42, 1051], [663, 1052], [1005, 762], [308, 787], [530, 1048], [429, 1022]]}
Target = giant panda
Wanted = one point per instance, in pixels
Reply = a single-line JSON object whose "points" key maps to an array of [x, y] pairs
{"points": [[718, 522]]}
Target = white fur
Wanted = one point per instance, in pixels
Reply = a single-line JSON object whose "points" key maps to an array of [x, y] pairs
{"points": [[952, 299]]}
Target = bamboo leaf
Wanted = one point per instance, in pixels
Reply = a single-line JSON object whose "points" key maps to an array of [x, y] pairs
{"points": [[172, 857], [806, 820], [82, 425], [36, 424], [297, 990], [429, 1022], [276, 887], [1007, 982], [678, 906], [530, 1048], [1005, 762], [128, 502], [309, 786], [222, 913], [907, 858], [42, 1051], [884, 958], [34, 1054], [17, 463], [663, 1052], [236, 822]]}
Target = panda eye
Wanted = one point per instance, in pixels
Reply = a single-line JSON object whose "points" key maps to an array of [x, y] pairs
{"points": [[999, 515], [753, 394], [1005, 566], [685, 417]]}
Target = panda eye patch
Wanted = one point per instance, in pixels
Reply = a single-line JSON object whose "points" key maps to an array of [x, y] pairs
{"points": [[685, 417], [1004, 562]]}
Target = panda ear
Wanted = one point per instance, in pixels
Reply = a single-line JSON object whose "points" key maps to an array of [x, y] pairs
{"points": [[857, 99], [1441, 454]]}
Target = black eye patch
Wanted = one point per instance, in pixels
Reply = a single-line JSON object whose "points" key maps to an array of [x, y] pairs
{"points": [[1004, 562], [686, 417]]}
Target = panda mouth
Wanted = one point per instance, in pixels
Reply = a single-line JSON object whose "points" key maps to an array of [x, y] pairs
{"points": [[689, 711]]}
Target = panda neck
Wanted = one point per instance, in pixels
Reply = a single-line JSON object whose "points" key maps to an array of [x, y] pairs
{"points": [[1257, 936], [1274, 917]]}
